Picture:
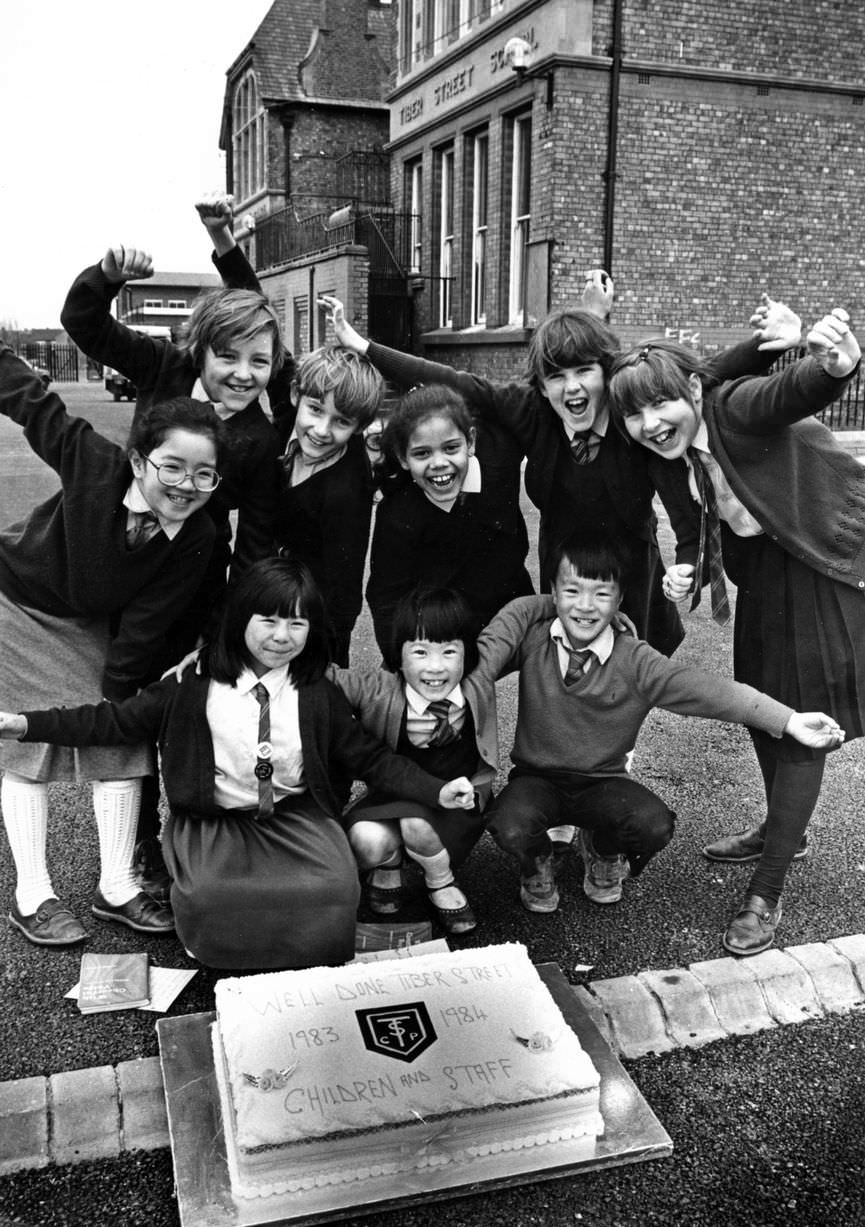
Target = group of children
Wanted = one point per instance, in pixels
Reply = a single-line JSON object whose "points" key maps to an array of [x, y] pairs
{"points": [[130, 566]]}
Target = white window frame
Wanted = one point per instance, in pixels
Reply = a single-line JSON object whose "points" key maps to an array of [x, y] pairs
{"points": [[416, 206], [446, 236], [480, 155], [520, 219]]}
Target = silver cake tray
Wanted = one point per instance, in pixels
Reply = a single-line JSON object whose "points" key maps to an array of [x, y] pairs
{"points": [[632, 1133]]}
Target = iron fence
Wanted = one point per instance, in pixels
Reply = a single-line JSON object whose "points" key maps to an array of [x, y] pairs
{"points": [[848, 411], [387, 235]]}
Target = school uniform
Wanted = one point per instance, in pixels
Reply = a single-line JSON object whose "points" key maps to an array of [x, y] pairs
{"points": [[379, 700], [800, 606], [82, 615], [160, 370], [572, 738], [324, 520], [477, 547], [252, 892], [610, 495]]}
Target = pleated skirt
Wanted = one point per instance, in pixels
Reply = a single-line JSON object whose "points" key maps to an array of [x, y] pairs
{"points": [[798, 635], [263, 895], [58, 662]]}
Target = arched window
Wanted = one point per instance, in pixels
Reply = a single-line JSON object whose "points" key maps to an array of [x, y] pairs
{"points": [[249, 139]]}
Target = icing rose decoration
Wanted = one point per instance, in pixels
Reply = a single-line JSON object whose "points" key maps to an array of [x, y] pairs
{"points": [[271, 1079], [538, 1041]]}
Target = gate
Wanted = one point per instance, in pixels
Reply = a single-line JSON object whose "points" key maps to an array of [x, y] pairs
{"points": [[60, 361]]}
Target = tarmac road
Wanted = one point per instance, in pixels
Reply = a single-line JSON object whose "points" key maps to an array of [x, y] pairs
{"points": [[767, 1130]]}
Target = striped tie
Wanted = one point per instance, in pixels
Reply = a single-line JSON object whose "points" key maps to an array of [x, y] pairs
{"points": [[264, 754], [444, 732], [581, 446], [141, 527], [579, 664], [710, 544]]}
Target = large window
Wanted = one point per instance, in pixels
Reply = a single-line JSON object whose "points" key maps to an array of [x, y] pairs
{"points": [[479, 150], [414, 194], [521, 164], [446, 236], [248, 139]]}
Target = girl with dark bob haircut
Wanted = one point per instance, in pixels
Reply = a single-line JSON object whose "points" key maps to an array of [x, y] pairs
{"points": [[252, 745]]}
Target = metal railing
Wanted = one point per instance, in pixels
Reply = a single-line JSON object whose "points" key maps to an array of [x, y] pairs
{"points": [[387, 236]]}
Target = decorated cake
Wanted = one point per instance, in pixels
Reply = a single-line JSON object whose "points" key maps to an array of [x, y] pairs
{"points": [[340, 1076]]}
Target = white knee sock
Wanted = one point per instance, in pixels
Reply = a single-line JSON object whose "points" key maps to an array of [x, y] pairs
{"points": [[25, 816], [116, 804], [437, 873]]}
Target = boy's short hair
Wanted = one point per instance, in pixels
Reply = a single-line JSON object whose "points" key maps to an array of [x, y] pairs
{"points": [[569, 338], [224, 317], [593, 557], [198, 417], [439, 615], [357, 386]]}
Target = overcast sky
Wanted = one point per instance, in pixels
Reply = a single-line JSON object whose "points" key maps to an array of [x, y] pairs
{"points": [[109, 130]]}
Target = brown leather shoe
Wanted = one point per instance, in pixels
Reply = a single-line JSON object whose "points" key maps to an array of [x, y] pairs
{"points": [[752, 929], [52, 924], [141, 913], [745, 846]]}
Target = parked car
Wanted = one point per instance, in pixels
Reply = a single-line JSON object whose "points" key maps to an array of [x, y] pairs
{"points": [[118, 385]]}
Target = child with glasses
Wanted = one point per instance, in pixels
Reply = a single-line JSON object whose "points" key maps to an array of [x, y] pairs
{"points": [[90, 583]]}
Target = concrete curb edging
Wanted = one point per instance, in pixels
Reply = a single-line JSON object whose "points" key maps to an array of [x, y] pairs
{"points": [[100, 1113]]}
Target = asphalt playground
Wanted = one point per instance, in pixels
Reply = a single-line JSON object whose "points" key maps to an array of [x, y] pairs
{"points": [[766, 1125]]}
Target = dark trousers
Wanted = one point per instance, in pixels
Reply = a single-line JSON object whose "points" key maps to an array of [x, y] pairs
{"points": [[624, 817]]}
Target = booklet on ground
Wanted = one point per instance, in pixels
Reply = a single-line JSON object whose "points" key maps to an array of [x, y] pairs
{"points": [[113, 982]]}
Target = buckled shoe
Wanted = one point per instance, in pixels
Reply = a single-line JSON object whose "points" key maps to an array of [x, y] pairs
{"points": [[454, 920], [141, 913], [52, 924], [752, 929]]}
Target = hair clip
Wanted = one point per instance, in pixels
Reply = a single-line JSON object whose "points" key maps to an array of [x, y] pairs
{"points": [[643, 355]]}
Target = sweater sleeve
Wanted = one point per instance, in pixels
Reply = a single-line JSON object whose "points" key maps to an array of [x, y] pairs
{"points": [[87, 318], [762, 405], [136, 719], [687, 691], [501, 640]]}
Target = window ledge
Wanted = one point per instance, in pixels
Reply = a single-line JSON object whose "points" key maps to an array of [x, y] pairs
{"points": [[510, 334]]}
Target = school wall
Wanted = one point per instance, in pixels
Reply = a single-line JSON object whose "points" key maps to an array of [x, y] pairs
{"points": [[344, 274]]}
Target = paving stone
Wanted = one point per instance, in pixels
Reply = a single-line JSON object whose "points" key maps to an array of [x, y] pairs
{"points": [[23, 1124], [593, 1008], [853, 948], [735, 995], [636, 1018], [86, 1115], [690, 1017], [788, 989], [142, 1103], [831, 974]]}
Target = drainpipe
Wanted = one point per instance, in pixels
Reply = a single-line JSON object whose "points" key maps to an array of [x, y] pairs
{"points": [[610, 173]]}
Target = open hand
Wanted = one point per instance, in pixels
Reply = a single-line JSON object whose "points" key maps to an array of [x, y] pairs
{"points": [[776, 325], [121, 264], [815, 729], [177, 671], [345, 334], [457, 794], [833, 345]]}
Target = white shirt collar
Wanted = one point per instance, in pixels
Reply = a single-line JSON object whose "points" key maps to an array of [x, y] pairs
{"points": [[198, 393], [273, 680], [601, 645], [701, 438], [308, 467], [598, 427], [417, 704], [134, 500]]}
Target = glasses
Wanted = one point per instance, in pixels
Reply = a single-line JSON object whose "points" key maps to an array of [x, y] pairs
{"points": [[170, 473]]}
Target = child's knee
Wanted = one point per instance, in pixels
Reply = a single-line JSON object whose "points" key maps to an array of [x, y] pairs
{"points": [[419, 836], [373, 842]]}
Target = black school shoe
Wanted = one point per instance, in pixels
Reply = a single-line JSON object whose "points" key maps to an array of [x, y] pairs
{"points": [[745, 846], [141, 913], [52, 924], [150, 870]]}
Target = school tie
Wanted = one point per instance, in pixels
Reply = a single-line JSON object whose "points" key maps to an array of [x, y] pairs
{"points": [[444, 732], [584, 446], [264, 753], [287, 459], [580, 662], [141, 526], [710, 544]]}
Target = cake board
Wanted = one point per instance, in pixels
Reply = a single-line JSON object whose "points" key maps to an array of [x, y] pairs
{"points": [[632, 1134]]}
